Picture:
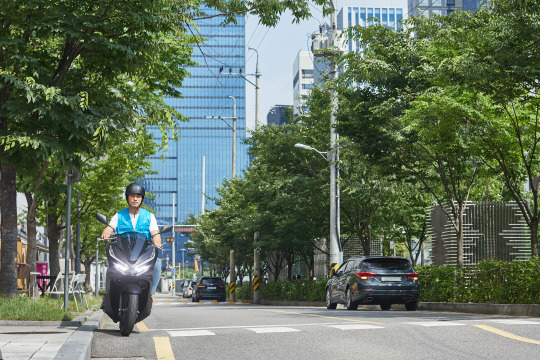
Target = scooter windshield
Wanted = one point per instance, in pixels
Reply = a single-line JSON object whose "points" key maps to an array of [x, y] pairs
{"points": [[132, 244]]}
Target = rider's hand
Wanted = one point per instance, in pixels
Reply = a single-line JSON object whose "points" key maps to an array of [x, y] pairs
{"points": [[106, 233]]}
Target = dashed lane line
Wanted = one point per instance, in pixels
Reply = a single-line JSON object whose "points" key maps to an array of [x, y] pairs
{"points": [[507, 334], [163, 348], [142, 327]]}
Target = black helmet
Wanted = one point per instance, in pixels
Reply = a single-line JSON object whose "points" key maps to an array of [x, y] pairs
{"points": [[134, 188]]}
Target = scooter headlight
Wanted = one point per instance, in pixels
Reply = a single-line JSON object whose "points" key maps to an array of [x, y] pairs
{"points": [[141, 269], [119, 264]]}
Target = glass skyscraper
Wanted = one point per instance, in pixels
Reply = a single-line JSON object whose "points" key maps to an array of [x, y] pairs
{"points": [[205, 94]]}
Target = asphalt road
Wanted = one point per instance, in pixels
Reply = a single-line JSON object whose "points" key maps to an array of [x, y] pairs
{"points": [[180, 329]]}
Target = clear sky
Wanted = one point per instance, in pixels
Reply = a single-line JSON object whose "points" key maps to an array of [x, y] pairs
{"points": [[277, 49]]}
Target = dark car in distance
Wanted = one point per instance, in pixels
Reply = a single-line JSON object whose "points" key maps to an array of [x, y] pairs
{"points": [[209, 287], [377, 280]]}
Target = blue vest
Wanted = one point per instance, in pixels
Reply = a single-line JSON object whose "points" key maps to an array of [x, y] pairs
{"points": [[143, 222]]}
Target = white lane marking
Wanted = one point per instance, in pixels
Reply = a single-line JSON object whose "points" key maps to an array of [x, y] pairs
{"points": [[245, 326], [355, 327], [190, 333], [275, 329], [435, 323], [515, 322]]}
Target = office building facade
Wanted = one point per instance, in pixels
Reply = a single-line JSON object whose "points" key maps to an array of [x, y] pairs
{"points": [[213, 90]]}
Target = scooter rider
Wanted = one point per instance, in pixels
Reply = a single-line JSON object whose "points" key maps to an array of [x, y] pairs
{"points": [[135, 218]]}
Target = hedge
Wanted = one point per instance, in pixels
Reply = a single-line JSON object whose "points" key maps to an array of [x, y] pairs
{"points": [[499, 282]]}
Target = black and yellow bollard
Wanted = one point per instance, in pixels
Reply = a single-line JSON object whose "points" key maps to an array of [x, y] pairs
{"points": [[333, 269]]}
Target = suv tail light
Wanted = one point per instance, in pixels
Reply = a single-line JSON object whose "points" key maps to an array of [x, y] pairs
{"points": [[364, 275], [201, 286], [413, 276], [221, 286]]}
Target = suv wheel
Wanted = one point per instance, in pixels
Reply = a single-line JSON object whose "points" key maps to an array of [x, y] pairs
{"points": [[329, 304], [411, 306], [349, 301]]}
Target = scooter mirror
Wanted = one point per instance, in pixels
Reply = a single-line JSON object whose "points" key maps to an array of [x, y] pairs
{"points": [[166, 229], [102, 219]]}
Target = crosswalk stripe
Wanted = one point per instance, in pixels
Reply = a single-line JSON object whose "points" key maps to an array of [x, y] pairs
{"points": [[355, 327], [190, 333], [515, 322], [435, 323], [273, 329]]}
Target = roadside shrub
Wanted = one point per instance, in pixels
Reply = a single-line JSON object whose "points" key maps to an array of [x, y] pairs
{"points": [[489, 281], [299, 290]]}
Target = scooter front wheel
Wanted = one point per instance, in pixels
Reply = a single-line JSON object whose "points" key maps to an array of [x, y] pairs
{"points": [[130, 306]]}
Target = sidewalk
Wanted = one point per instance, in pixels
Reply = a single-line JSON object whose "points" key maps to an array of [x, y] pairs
{"points": [[47, 340]]}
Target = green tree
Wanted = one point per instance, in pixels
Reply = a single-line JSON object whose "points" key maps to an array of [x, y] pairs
{"points": [[406, 124], [493, 56], [72, 73]]}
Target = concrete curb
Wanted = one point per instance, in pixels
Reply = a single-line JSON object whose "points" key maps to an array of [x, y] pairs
{"points": [[79, 345], [40, 323], [532, 310]]}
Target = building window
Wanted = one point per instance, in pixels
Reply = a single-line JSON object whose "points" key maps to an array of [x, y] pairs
{"points": [[307, 86], [307, 74], [450, 2]]}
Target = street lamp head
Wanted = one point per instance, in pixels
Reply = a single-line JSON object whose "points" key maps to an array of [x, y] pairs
{"points": [[302, 146]]}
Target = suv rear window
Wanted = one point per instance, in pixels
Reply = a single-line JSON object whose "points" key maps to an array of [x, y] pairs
{"points": [[387, 264], [212, 281]]}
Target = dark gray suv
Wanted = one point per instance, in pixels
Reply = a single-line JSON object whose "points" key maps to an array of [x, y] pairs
{"points": [[378, 280], [209, 287]]}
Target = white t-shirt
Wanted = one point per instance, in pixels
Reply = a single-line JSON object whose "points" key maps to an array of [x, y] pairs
{"points": [[153, 223]]}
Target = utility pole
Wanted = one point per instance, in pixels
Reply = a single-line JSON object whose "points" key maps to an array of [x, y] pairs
{"points": [[256, 254], [336, 252], [223, 118], [257, 87], [233, 175]]}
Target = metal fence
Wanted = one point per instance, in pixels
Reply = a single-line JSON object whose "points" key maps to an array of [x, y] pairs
{"points": [[492, 230]]}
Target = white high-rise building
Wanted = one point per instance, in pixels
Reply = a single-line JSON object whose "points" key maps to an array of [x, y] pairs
{"points": [[303, 79]]}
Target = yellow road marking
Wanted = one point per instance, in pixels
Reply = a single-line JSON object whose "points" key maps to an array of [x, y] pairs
{"points": [[163, 348], [323, 316], [507, 334], [142, 327]]}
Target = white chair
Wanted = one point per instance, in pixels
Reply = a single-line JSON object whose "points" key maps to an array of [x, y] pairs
{"points": [[79, 289], [57, 288]]}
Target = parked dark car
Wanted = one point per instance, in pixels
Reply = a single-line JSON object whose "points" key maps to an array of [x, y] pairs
{"points": [[209, 288], [377, 280]]}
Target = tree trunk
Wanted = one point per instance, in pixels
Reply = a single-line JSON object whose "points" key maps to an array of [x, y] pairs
{"points": [[31, 233], [54, 234], [8, 206]]}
